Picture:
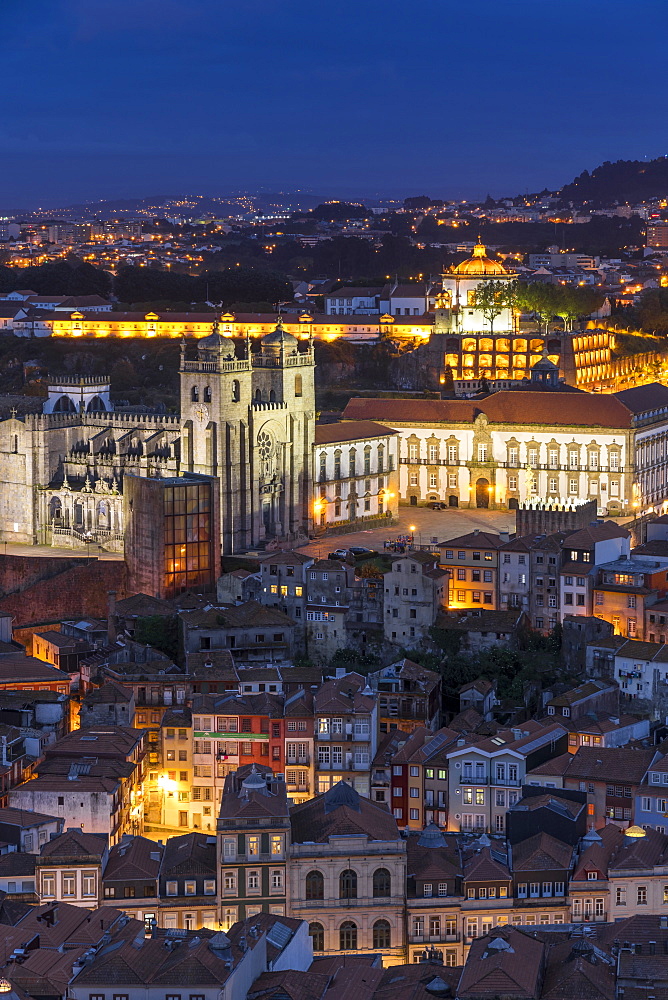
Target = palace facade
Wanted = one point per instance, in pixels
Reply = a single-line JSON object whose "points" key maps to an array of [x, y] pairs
{"points": [[511, 447]]}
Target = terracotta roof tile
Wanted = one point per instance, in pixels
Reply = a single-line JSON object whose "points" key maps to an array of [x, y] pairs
{"points": [[322, 817], [541, 852], [577, 410], [485, 867], [621, 764], [350, 431], [506, 962]]}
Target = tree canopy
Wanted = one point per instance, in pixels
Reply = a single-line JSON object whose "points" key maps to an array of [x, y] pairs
{"points": [[234, 284], [491, 298]]}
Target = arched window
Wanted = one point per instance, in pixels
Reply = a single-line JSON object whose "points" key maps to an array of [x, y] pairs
{"points": [[272, 396], [315, 885], [317, 932], [78, 513], [348, 884], [348, 936], [382, 883], [207, 394], [64, 405], [381, 458], [194, 394], [367, 460], [236, 391], [298, 385], [381, 934], [258, 396]]}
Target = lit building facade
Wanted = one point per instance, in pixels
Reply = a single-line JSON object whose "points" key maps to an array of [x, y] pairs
{"points": [[456, 307], [513, 447]]}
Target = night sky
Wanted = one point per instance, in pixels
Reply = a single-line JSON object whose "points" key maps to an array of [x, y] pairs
{"points": [[128, 98]]}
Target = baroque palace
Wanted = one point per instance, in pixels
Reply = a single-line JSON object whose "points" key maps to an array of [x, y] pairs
{"points": [[517, 446]]}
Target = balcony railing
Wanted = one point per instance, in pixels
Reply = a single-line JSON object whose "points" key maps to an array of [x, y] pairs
{"points": [[359, 902], [434, 938], [470, 779], [483, 904], [347, 737]]}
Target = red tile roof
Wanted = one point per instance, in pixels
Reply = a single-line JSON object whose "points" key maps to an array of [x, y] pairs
{"points": [[506, 963], [350, 431], [626, 765], [576, 410]]}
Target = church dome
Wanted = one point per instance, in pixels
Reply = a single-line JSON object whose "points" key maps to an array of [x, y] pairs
{"points": [[217, 342], [280, 338], [480, 264]]}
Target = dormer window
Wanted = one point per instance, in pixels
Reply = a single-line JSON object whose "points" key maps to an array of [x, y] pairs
{"points": [[566, 712], [592, 876], [655, 778], [550, 709]]}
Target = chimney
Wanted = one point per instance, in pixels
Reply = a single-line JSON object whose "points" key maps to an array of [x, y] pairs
{"points": [[111, 617], [504, 535]]}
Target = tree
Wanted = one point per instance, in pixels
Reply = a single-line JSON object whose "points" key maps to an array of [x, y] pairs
{"points": [[448, 383], [538, 298], [567, 306], [491, 298], [159, 631], [573, 301]]}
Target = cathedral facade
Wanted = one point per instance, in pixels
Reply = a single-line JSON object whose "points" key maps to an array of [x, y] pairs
{"points": [[249, 422]]}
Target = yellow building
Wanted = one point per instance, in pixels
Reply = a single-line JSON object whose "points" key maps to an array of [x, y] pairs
{"points": [[172, 324]]}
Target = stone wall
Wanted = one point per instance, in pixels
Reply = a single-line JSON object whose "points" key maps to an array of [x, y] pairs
{"points": [[544, 519], [63, 588]]}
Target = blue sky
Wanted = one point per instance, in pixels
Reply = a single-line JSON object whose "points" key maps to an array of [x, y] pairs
{"points": [[128, 98]]}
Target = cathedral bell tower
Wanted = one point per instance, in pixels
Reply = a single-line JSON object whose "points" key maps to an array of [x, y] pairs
{"points": [[250, 422], [216, 390], [283, 432]]}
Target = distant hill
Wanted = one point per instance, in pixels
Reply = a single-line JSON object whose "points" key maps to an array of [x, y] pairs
{"points": [[623, 181]]}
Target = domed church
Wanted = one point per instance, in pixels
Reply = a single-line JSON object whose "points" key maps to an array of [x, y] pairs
{"points": [[455, 309]]}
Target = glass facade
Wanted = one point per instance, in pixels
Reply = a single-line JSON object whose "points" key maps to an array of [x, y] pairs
{"points": [[189, 555]]}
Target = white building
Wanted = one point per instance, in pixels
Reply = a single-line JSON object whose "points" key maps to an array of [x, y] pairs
{"points": [[455, 306], [352, 301], [404, 300], [515, 446], [354, 472], [641, 669]]}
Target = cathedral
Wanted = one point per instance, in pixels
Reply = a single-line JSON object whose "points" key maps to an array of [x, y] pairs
{"points": [[248, 421]]}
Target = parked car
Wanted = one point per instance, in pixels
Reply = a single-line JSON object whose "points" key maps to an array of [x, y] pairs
{"points": [[437, 505], [360, 550], [338, 554]]}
